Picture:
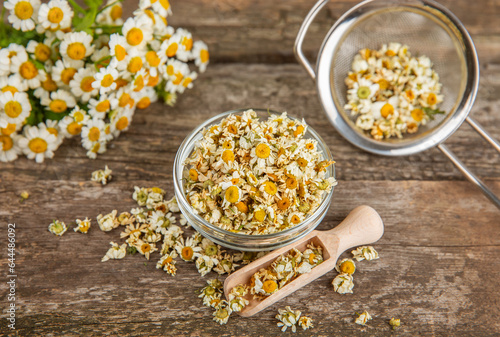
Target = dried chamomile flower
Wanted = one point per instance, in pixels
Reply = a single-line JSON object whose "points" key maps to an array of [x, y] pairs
{"points": [[346, 266], [108, 222], [263, 283], [211, 249], [225, 265], [115, 252], [237, 299], [343, 284], [363, 318], [288, 318], [167, 263], [145, 248], [188, 250], [83, 225], [205, 264], [58, 227], [102, 176], [222, 312], [211, 291], [149, 197], [24, 195], [133, 231], [365, 252], [125, 218], [173, 206], [305, 322], [183, 221], [395, 323]]}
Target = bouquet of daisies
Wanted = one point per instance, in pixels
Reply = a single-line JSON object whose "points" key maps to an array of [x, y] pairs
{"points": [[69, 71]]}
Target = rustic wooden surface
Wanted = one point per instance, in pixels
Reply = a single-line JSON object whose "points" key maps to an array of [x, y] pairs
{"points": [[439, 264]]}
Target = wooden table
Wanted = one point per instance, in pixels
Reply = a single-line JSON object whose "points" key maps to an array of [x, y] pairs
{"points": [[439, 267]]}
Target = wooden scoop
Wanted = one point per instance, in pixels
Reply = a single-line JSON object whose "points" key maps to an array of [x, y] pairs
{"points": [[362, 226]]}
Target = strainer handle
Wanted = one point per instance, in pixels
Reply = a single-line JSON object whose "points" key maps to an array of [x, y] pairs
{"points": [[469, 175], [297, 49], [479, 129]]}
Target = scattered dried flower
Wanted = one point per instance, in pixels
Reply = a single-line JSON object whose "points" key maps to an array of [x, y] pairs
{"points": [[102, 176], [58, 227]]}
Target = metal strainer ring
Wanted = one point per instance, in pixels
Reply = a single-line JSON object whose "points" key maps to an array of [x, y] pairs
{"points": [[428, 29]]}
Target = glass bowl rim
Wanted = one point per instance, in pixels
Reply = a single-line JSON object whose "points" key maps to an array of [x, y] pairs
{"points": [[325, 203]]}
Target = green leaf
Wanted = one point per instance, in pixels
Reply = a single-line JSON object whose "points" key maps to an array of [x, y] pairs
{"points": [[87, 21], [55, 116], [432, 112]]}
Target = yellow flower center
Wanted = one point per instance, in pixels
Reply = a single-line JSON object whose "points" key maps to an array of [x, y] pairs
{"points": [[417, 115], [67, 75], [298, 131], [242, 207], [9, 129], [270, 188], [165, 4], [232, 128], [178, 78], [120, 52], [193, 175], [310, 146], [76, 50], [410, 95], [204, 56], [116, 12], [387, 110], [291, 182], [13, 109], [284, 203], [6, 142], [37, 145], [146, 247], [347, 267], [96, 147], [134, 36], [186, 82], [49, 84], [270, 286], [135, 64], [311, 258], [383, 84], [23, 10], [107, 80], [122, 123], [125, 99], [302, 162], [295, 219], [42, 52], [74, 128], [187, 253], [262, 151], [138, 83], [259, 215], [86, 84], [170, 70], [432, 99], [94, 134], [390, 53], [152, 58], [53, 131], [78, 116], [153, 80], [227, 145], [55, 15], [172, 49], [187, 43], [144, 103], [233, 194], [10, 88], [58, 106], [28, 70], [227, 156]]}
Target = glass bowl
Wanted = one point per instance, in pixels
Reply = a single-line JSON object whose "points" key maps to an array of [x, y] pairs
{"points": [[240, 241]]}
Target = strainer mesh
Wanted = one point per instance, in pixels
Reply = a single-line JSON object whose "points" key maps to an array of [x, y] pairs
{"points": [[424, 34]]}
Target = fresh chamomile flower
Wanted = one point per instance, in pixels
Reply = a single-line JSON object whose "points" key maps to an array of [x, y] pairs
{"points": [[111, 14], [363, 318], [137, 31], [139, 80], [169, 47], [185, 44], [162, 7], [56, 14], [105, 79], [121, 121], [8, 147], [145, 97], [39, 50], [365, 252], [167, 263], [99, 108], [81, 84], [108, 222], [21, 64], [118, 47], [222, 312], [76, 46], [188, 250], [343, 284], [22, 13], [4, 62], [102, 176], [52, 127], [57, 227], [187, 82], [201, 55], [64, 71], [93, 132], [14, 108], [116, 252], [72, 124], [153, 62], [37, 143], [288, 318], [13, 83], [59, 101], [83, 226], [47, 86]]}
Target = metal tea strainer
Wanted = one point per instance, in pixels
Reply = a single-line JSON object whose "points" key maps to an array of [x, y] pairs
{"points": [[427, 28]]}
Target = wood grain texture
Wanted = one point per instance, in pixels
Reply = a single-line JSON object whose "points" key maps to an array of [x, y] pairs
{"points": [[439, 254]]}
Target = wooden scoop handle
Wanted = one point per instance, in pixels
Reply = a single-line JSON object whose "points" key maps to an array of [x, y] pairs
{"points": [[361, 227]]}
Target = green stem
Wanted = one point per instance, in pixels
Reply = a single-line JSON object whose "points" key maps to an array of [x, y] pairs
{"points": [[76, 6], [110, 5]]}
